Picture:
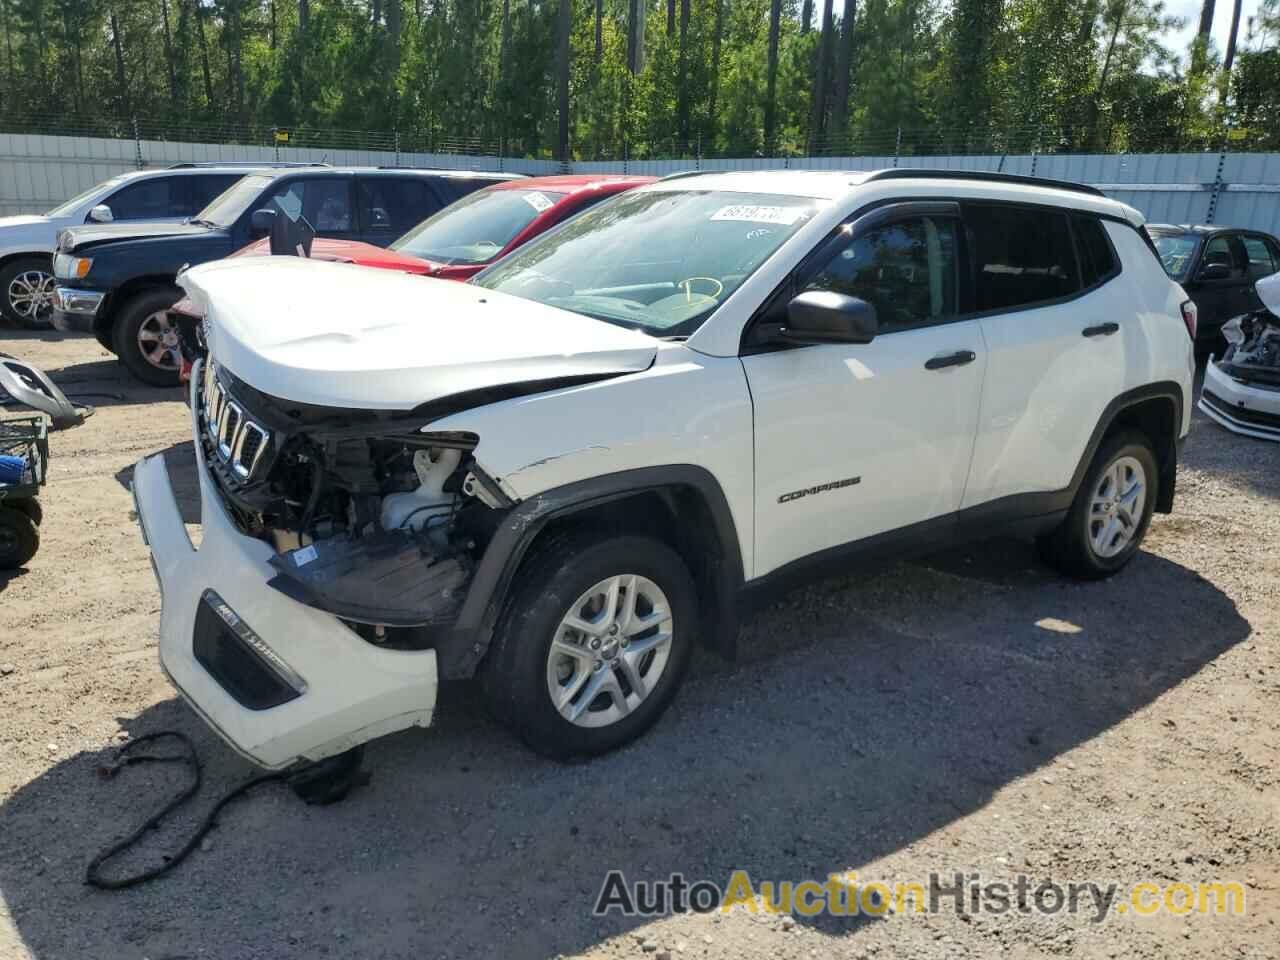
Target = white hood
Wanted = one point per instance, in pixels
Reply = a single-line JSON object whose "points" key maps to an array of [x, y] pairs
{"points": [[23, 220], [336, 334], [1269, 293]]}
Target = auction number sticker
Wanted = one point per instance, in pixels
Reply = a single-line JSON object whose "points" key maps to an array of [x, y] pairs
{"points": [[538, 201], [752, 213]]}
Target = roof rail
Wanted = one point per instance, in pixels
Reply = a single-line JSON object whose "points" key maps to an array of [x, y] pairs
{"points": [[923, 173], [244, 164]]}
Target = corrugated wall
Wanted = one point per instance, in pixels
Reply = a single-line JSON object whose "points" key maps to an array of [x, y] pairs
{"points": [[39, 172]]}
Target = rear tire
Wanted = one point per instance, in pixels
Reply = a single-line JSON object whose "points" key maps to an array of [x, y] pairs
{"points": [[1111, 511], [579, 691], [26, 286], [19, 539], [145, 341]]}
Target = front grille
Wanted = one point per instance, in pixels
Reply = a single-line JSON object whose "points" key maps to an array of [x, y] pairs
{"points": [[234, 437]]}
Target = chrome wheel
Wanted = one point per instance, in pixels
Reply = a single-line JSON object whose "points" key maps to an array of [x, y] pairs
{"points": [[609, 651], [31, 295], [1115, 512], [158, 342]]}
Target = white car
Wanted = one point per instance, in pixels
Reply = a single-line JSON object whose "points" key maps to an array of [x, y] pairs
{"points": [[565, 473], [27, 242], [1242, 389]]}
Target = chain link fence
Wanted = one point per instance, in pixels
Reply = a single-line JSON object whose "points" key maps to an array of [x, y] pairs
{"points": [[963, 139]]}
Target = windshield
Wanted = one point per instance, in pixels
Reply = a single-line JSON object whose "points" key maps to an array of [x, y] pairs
{"points": [[477, 227], [68, 208], [227, 207], [658, 261], [1176, 251]]}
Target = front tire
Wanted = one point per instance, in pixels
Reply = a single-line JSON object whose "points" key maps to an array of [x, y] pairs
{"points": [[146, 341], [592, 644], [1111, 511], [26, 292]]}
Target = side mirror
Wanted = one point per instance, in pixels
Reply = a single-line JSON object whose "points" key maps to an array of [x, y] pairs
{"points": [[819, 316], [101, 214], [261, 221], [1214, 271]]}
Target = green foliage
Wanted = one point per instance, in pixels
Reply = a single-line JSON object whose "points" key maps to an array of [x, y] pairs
{"points": [[925, 76]]}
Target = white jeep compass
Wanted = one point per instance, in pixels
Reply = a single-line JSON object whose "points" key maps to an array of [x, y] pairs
{"points": [[563, 475]]}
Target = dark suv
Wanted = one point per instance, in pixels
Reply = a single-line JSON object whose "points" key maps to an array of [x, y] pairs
{"points": [[1218, 267], [117, 280]]}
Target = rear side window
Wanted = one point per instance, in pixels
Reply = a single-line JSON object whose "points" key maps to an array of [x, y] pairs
{"points": [[1261, 262], [205, 186], [392, 206], [1021, 256], [156, 198], [1097, 260]]}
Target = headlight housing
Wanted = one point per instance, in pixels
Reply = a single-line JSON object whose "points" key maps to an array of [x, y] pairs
{"points": [[67, 267]]}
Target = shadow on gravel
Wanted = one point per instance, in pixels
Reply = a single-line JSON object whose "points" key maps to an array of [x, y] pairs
{"points": [[863, 715], [180, 458]]}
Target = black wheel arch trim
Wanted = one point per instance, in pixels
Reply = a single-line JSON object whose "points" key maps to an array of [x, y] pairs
{"points": [[467, 641]]}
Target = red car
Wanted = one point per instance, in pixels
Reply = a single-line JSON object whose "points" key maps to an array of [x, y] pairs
{"points": [[469, 234], [454, 244]]}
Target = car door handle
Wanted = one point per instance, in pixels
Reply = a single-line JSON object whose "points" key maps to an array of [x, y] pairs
{"points": [[957, 359], [1101, 330]]}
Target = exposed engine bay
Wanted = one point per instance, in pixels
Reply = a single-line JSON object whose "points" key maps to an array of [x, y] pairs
{"points": [[372, 519], [1253, 348]]}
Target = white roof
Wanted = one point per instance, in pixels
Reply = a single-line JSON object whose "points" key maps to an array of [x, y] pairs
{"points": [[835, 185]]}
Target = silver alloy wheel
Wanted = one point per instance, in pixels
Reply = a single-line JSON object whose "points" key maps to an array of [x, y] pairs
{"points": [[609, 651], [1116, 509], [158, 341], [31, 294]]}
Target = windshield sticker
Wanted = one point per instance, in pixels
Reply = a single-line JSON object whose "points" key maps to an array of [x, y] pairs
{"points": [[538, 201], [751, 213]]}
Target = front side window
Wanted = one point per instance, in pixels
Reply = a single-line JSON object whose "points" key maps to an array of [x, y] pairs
{"points": [[157, 198], [907, 270], [476, 228], [1021, 256], [67, 208], [325, 202], [1219, 251], [1177, 251], [1261, 263], [660, 261]]}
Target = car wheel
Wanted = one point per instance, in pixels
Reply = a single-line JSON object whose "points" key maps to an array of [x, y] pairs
{"points": [[1111, 512], [26, 292], [30, 506], [592, 644], [146, 341], [19, 539]]}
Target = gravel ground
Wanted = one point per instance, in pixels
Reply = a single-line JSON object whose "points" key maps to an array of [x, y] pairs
{"points": [[971, 712]]}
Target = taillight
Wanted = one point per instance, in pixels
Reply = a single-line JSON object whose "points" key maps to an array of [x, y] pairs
{"points": [[1189, 317]]}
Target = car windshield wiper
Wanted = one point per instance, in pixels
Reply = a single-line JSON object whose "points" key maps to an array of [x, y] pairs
{"points": [[205, 223]]}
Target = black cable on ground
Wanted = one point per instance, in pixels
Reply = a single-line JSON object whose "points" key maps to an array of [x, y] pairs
{"points": [[124, 758]]}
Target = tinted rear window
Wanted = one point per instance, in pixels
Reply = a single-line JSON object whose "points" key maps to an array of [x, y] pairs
{"points": [[1021, 256]]}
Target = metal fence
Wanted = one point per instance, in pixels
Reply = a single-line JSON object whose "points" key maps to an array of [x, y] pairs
{"points": [[39, 171]]}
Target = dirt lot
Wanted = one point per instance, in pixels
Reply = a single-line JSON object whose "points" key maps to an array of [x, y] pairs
{"points": [[968, 713]]}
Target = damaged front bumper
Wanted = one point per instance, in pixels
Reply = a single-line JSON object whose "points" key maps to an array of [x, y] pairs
{"points": [[1249, 408], [280, 680]]}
